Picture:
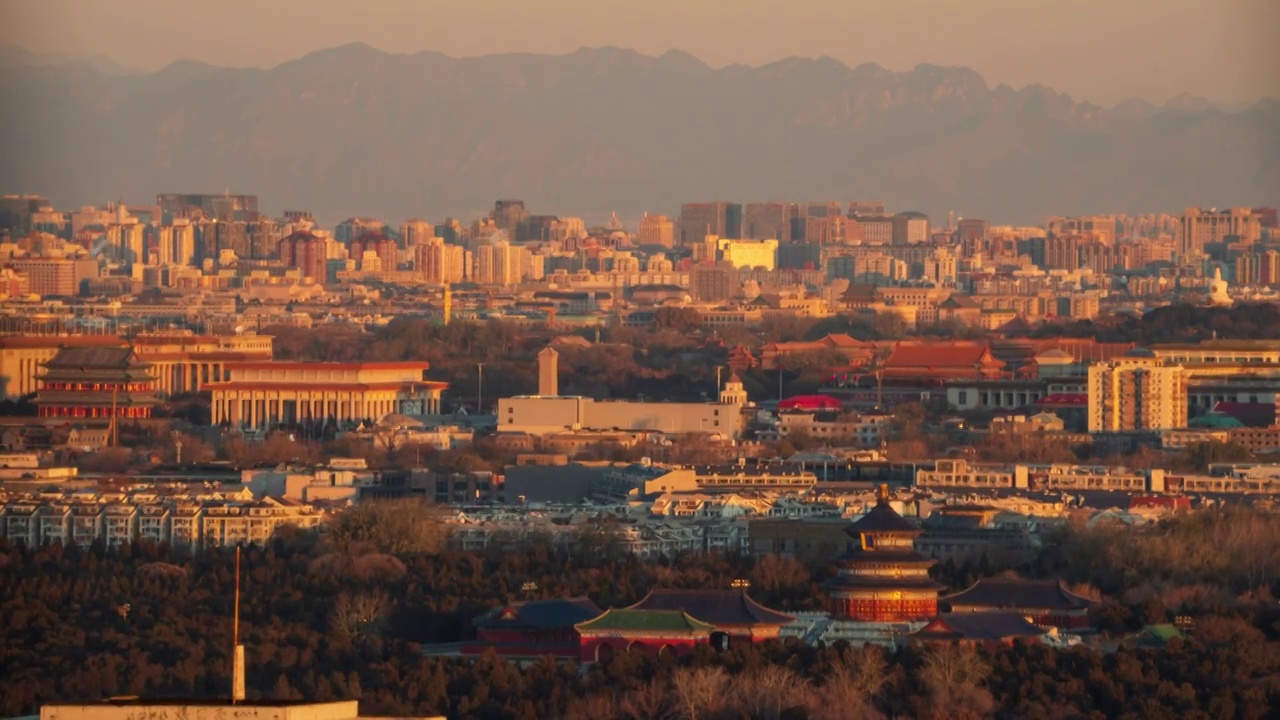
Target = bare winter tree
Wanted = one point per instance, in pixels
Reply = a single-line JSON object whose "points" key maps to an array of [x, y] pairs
{"points": [[953, 675], [769, 692], [700, 691], [648, 702], [360, 615], [852, 685]]}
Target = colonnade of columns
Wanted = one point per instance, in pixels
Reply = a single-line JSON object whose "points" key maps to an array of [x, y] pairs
{"points": [[259, 409], [177, 377]]}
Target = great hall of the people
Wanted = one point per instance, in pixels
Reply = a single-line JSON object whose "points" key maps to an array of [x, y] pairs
{"points": [[89, 378]]}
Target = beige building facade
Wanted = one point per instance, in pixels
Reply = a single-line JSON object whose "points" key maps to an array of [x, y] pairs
{"points": [[262, 394]]}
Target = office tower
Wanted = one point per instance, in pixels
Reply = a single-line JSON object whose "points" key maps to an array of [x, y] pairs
{"points": [[263, 238], [910, 228], [217, 236], [352, 228], [971, 232], [47, 276], [776, 220], [536, 228], [697, 220], [1137, 392], [439, 262], [508, 214], [876, 229], [176, 243], [749, 253], [127, 243], [415, 231], [833, 230], [222, 207], [822, 209], [655, 230], [16, 212], [872, 208], [1201, 227]]}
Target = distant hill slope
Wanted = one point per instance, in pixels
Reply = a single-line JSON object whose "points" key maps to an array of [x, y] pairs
{"points": [[353, 130]]}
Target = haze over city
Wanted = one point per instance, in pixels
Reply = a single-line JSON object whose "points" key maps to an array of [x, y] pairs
{"points": [[589, 360], [1099, 51]]}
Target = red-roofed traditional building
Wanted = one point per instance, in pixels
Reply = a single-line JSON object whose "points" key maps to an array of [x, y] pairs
{"points": [[811, 403], [948, 360], [856, 352]]}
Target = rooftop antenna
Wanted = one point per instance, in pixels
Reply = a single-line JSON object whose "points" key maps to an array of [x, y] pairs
{"points": [[237, 664]]}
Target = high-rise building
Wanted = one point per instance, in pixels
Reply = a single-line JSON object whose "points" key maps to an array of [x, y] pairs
{"points": [[16, 212], [655, 230], [508, 214], [222, 207], [870, 208], [749, 253], [307, 252], [769, 220], [352, 228], [910, 228], [386, 249], [697, 220], [416, 231], [1137, 392], [128, 242], [176, 243], [47, 276], [972, 231], [713, 283], [1202, 227], [833, 230], [439, 262], [500, 263], [263, 238], [876, 229], [1269, 268]]}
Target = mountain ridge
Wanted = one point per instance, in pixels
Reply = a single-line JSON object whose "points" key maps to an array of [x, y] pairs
{"points": [[356, 130]]}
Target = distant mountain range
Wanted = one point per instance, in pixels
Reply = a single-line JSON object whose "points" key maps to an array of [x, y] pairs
{"points": [[356, 131]]}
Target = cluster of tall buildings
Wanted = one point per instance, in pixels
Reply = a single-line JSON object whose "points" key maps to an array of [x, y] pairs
{"points": [[734, 263]]}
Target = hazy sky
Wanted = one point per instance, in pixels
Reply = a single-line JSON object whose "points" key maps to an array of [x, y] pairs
{"points": [[1098, 50]]}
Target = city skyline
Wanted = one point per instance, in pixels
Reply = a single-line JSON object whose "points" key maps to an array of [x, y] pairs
{"points": [[1222, 54]]}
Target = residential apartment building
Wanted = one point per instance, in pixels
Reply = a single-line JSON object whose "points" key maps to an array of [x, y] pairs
{"points": [[186, 522], [1200, 227], [1138, 391]]}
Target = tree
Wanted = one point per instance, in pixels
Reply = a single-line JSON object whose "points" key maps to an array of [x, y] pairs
{"points": [[359, 616], [396, 526], [768, 692], [680, 319], [700, 691], [953, 676]]}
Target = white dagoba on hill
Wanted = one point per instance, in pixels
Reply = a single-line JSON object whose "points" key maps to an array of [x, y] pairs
{"points": [[1218, 288]]}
